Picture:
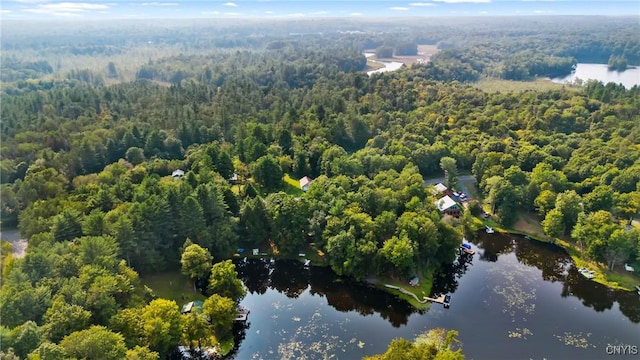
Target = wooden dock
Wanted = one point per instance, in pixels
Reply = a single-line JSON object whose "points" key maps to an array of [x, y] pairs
{"points": [[438, 300]]}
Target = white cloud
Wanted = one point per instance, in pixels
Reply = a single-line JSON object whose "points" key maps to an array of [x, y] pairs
{"points": [[5, 11], [268, 12], [483, 12], [398, 8], [296, 15], [356, 14], [319, 13], [155, 3], [463, 1], [210, 13], [422, 4], [543, 12], [65, 14], [232, 14], [65, 8], [32, 1], [231, 4]]}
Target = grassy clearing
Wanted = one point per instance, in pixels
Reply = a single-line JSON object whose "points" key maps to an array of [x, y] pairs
{"points": [[172, 285], [372, 65], [423, 289], [529, 224], [292, 186], [491, 85]]}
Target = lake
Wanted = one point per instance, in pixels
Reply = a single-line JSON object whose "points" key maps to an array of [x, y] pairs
{"points": [[628, 78], [514, 298]]}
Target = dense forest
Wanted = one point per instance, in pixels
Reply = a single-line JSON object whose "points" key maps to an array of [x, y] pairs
{"points": [[88, 153]]}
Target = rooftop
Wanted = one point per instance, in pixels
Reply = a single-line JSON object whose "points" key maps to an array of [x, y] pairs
{"points": [[445, 203]]}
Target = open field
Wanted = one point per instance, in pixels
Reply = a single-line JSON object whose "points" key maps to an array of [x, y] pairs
{"points": [[372, 65], [292, 186], [424, 54], [530, 224], [422, 290], [491, 85], [172, 285]]}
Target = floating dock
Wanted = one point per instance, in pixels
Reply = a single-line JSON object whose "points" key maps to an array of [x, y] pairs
{"points": [[439, 300]]}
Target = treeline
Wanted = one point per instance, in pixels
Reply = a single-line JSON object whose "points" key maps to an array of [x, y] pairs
{"points": [[86, 174], [515, 48]]}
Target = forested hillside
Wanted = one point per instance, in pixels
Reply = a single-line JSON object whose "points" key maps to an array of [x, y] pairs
{"points": [[87, 158]]}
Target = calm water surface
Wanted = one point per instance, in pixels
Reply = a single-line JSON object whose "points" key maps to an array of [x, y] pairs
{"points": [[628, 78], [514, 299]]}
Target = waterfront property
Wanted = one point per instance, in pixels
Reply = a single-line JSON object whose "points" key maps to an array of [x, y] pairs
{"points": [[521, 287], [448, 206]]}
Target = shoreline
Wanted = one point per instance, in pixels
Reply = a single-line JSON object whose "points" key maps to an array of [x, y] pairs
{"points": [[604, 276]]}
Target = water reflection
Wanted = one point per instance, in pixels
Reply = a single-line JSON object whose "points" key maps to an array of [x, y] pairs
{"points": [[531, 294], [446, 281], [556, 265], [293, 279]]}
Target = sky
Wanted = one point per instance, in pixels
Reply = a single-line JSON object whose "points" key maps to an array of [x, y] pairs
{"points": [[175, 9]]}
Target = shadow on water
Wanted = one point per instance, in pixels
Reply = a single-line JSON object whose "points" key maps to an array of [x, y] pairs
{"points": [[446, 280], [556, 265], [521, 286], [291, 278]]}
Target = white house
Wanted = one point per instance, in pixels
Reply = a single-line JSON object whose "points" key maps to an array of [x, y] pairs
{"points": [[448, 206], [305, 182]]}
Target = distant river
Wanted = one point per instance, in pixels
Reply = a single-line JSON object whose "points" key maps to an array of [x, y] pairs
{"points": [[514, 299], [388, 65], [600, 72]]}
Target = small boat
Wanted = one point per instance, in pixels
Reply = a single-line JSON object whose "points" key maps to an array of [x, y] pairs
{"points": [[489, 229], [589, 274], [628, 268], [447, 301], [467, 249], [638, 288], [307, 262]]}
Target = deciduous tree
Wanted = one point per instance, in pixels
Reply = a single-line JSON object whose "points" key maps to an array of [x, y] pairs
{"points": [[196, 261], [224, 281], [96, 342], [221, 312], [162, 327]]}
